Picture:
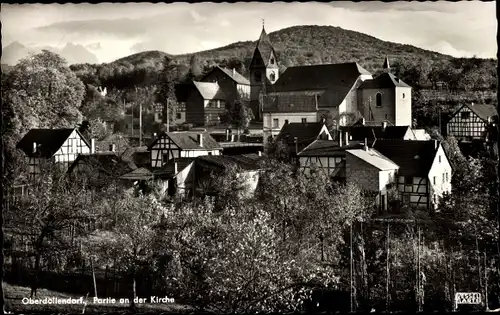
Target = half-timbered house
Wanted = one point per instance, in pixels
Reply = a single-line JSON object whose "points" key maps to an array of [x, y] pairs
{"points": [[470, 122], [171, 145], [59, 146], [424, 173], [327, 156], [372, 171], [382, 132], [205, 104], [297, 136]]}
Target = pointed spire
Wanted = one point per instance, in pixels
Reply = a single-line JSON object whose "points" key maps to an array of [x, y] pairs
{"points": [[387, 66]]}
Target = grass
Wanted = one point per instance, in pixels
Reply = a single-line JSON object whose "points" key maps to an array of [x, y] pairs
{"points": [[14, 303]]}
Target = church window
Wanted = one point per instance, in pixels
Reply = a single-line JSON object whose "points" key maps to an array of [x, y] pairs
{"points": [[272, 77], [272, 61], [258, 76], [379, 100]]}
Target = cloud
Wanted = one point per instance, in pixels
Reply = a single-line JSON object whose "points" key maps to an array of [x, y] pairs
{"points": [[94, 46]]}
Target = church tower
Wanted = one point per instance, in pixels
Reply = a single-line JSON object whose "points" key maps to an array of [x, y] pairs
{"points": [[264, 71]]}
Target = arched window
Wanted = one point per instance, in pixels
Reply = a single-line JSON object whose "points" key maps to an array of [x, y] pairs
{"points": [[379, 100], [272, 61], [257, 76], [272, 77]]}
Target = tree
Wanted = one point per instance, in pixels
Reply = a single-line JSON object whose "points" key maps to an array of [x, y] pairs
{"points": [[239, 115], [128, 240], [195, 67], [169, 76]]}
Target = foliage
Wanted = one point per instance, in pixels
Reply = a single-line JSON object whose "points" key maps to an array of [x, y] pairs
{"points": [[239, 114], [168, 77]]}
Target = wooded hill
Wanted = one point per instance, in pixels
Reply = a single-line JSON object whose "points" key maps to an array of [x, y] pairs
{"points": [[298, 45]]}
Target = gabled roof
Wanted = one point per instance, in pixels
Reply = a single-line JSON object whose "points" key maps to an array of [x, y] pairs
{"points": [[383, 81], [375, 158], [138, 174], [327, 148], [182, 91], [319, 77], [264, 47], [289, 104], [188, 140], [483, 111], [138, 155], [119, 140], [209, 90], [305, 132], [386, 63], [48, 141], [413, 157], [235, 76], [359, 133], [221, 162], [104, 162]]}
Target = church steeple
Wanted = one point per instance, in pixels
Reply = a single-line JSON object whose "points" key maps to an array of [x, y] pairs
{"points": [[387, 66]]}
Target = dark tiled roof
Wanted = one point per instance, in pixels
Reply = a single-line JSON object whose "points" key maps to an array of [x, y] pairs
{"points": [[168, 170], [305, 132], [48, 141], [382, 81], [234, 75], [220, 162], [187, 140], [413, 157], [319, 77], [483, 111], [378, 132], [118, 140], [334, 96], [328, 148], [289, 103], [108, 163], [138, 174], [264, 47]]}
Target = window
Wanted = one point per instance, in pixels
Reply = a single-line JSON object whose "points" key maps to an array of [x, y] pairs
{"points": [[403, 95], [434, 180], [286, 121], [275, 123], [178, 115], [257, 76], [444, 178], [272, 77], [465, 115], [408, 180], [379, 100], [439, 157], [406, 199], [304, 120], [272, 61], [218, 104]]}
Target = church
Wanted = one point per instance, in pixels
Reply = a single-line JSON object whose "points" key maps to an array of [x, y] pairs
{"points": [[339, 94]]}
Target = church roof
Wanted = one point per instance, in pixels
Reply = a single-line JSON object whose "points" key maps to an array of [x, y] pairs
{"points": [[209, 90], [264, 47], [319, 77], [384, 80], [386, 63]]}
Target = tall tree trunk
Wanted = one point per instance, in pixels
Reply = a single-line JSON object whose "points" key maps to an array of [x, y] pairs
{"points": [[34, 284], [132, 303]]}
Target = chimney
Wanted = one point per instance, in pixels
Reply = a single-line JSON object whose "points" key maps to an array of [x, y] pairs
{"points": [[34, 147], [363, 121], [323, 120], [366, 145], [200, 139], [234, 72], [296, 145], [154, 135], [436, 144], [346, 138], [175, 167], [340, 138], [472, 104], [259, 153], [92, 146], [384, 124], [112, 147]]}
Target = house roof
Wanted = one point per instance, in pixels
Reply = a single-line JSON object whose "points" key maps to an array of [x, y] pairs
{"points": [[188, 140], [319, 77], [168, 169], [414, 157], [48, 141], [138, 174], [290, 103], [209, 90], [221, 162], [305, 132], [375, 158], [104, 162], [359, 133], [327, 148], [138, 155], [370, 123], [264, 47], [182, 91], [117, 139], [334, 96], [382, 81], [483, 111], [235, 76]]}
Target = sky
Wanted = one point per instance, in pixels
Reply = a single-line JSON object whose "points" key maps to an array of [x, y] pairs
{"points": [[115, 30]]}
